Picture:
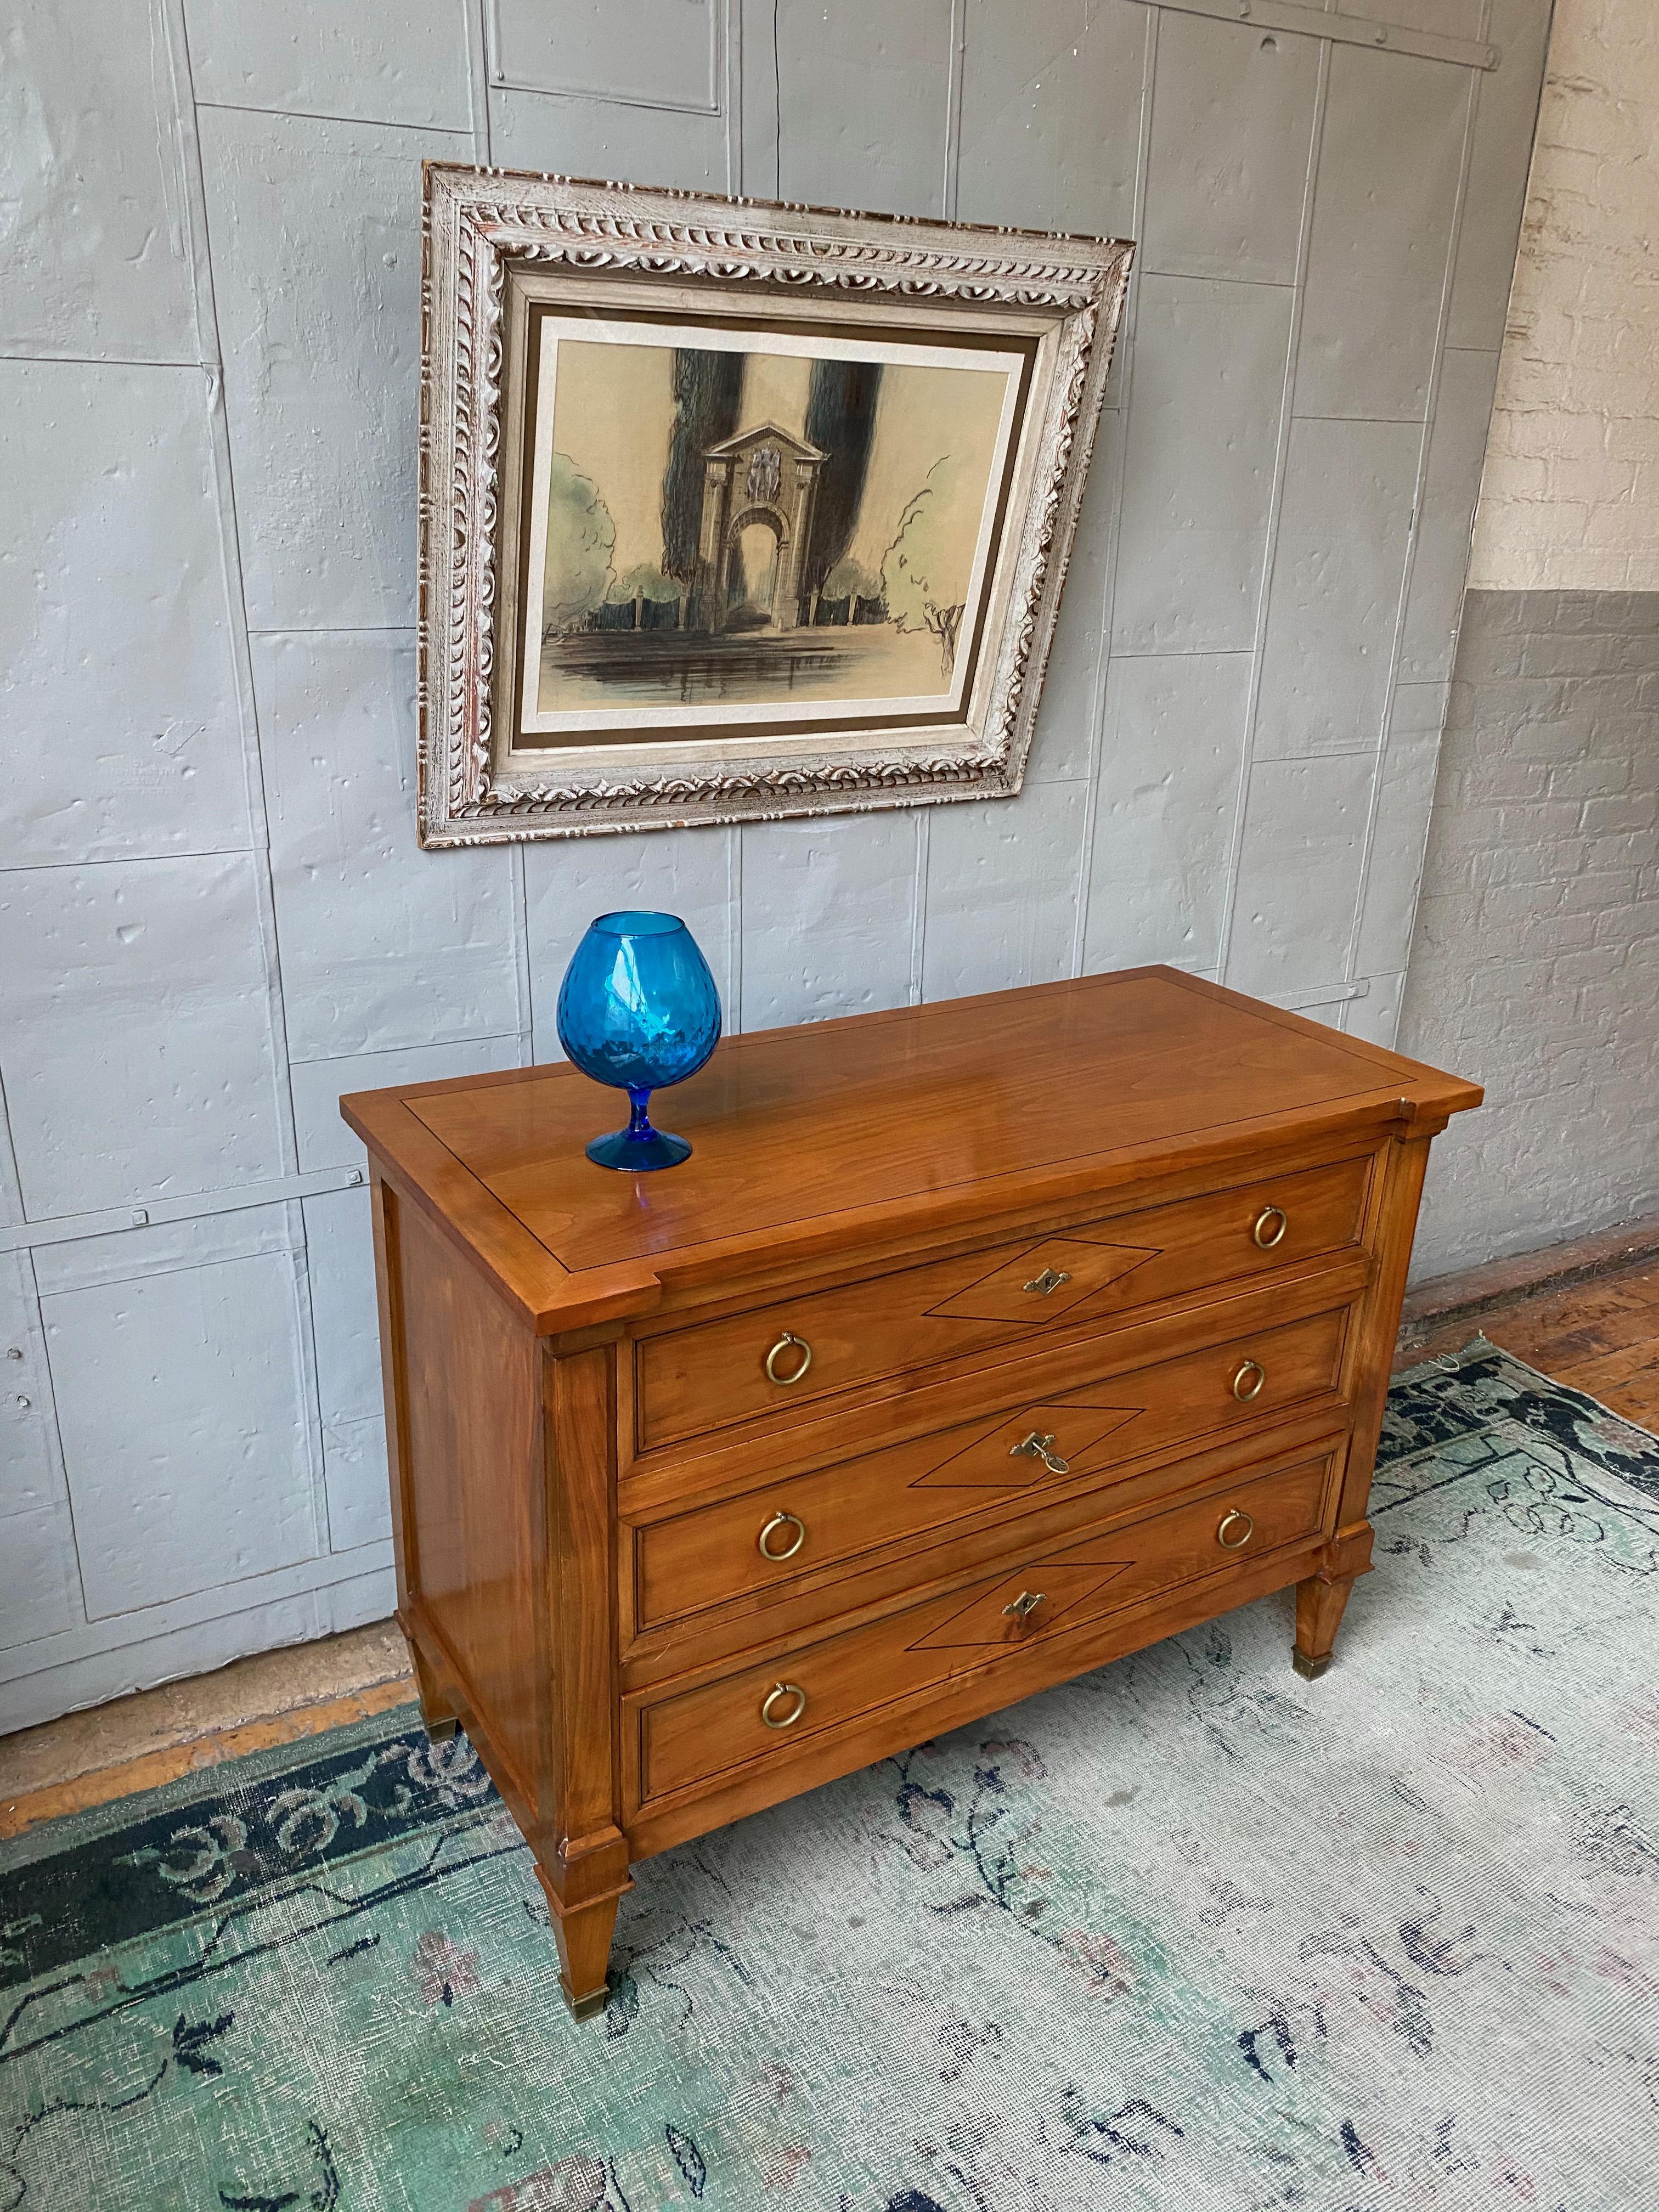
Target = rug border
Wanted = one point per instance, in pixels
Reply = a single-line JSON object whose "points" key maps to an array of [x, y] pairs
{"points": [[1479, 1345], [70, 1830]]}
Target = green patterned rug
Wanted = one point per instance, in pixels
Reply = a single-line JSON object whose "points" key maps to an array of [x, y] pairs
{"points": [[1188, 1934]]}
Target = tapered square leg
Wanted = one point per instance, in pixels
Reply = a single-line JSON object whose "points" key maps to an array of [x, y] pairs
{"points": [[1319, 1608], [584, 1940], [438, 1715]]}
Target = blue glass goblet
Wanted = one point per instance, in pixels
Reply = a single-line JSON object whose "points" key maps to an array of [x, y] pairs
{"points": [[638, 1009]]}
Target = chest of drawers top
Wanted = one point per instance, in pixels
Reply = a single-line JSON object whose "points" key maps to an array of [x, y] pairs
{"points": [[882, 1133]]}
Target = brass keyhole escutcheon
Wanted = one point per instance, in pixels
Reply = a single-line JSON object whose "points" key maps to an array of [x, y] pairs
{"points": [[784, 1691], [779, 1349], [779, 1522], [1048, 1281], [1248, 1381], [1269, 1226], [1042, 1447], [1025, 1604], [1246, 1529]]}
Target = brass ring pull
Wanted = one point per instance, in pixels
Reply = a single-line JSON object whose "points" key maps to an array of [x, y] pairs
{"points": [[1269, 1226], [782, 1521], [1243, 1388], [1025, 1604], [1235, 1543], [783, 1345], [783, 1690]]}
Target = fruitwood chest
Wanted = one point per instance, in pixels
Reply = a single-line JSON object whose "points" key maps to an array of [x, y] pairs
{"points": [[975, 1345]]}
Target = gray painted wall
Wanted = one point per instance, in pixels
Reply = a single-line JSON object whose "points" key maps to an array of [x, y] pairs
{"points": [[1536, 956], [213, 915]]}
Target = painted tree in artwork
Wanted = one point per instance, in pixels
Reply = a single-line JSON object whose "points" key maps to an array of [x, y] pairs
{"points": [[850, 580], [643, 582], [925, 572], [580, 538], [841, 422], [707, 387]]}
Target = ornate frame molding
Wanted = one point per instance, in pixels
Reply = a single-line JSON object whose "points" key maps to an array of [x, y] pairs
{"points": [[479, 224]]}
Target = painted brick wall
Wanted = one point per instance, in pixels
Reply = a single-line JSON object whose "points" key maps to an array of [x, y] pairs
{"points": [[213, 915], [1534, 965], [1571, 495]]}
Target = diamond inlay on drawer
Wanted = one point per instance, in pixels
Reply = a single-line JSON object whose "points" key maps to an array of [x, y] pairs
{"points": [[1059, 1588], [1045, 1281], [1003, 1457]]}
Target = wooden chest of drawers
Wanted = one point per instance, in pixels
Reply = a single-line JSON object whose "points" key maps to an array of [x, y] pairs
{"points": [[975, 1345]]}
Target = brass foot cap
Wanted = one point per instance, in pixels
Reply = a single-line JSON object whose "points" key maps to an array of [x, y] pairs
{"points": [[1310, 1669], [441, 1731], [587, 2007]]}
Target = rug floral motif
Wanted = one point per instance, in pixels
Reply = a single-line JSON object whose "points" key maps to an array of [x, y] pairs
{"points": [[1188, 1934]]}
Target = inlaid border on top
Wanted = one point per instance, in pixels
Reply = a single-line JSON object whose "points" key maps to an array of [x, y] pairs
{"points": [[480, 226]]}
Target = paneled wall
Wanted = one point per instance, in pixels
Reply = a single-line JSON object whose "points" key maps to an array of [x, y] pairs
{"points": [[213, 915]]}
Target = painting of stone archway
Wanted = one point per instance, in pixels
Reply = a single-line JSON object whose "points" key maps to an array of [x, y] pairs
{"points": [[777, 540], [757, 529]]}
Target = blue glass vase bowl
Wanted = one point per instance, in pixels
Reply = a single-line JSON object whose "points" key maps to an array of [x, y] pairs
{"points": [[638, 1009]]}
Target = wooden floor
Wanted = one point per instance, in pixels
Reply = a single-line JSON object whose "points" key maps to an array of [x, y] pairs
{"points": [[1602, 1337]]}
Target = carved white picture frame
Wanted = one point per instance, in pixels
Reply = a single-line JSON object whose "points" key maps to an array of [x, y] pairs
{"points": [[495, 241]]}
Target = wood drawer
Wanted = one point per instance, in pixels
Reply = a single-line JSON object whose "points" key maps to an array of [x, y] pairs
{"points": [[705, 1733], [929, 1483], [709, 1375]]}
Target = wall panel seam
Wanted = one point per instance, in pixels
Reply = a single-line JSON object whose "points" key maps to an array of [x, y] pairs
{"points": [[1188, 651], [585, 94], [25, 353], [307, 1377], [1419, 490], [1275, 506], [523, 979], [777, 106], [732, 65], [65, 1495], [168, 1213], [319, 115], [1128, 325], [953, 110], [128, 860], [734, 926], [478, 79], [1213, 276], [1325, 752], [12, 1177], [1382, 421], [919, 905]]}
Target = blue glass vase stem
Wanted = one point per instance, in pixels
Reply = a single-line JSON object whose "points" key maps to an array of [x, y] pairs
{"points": [[639, 1121]]}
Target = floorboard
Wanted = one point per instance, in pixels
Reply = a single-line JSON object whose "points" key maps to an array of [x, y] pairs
{"points": [[1600, 1336]]}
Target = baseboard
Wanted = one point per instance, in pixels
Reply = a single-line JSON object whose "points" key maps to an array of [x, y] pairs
{"points": [[1473, 1291], [191, 1648]]}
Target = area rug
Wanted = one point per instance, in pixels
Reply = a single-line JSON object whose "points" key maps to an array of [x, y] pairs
{"points": [[1188, 1934]]}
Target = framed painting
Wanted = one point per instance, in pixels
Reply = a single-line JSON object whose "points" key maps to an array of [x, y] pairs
{"points": [[733, 511]]}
